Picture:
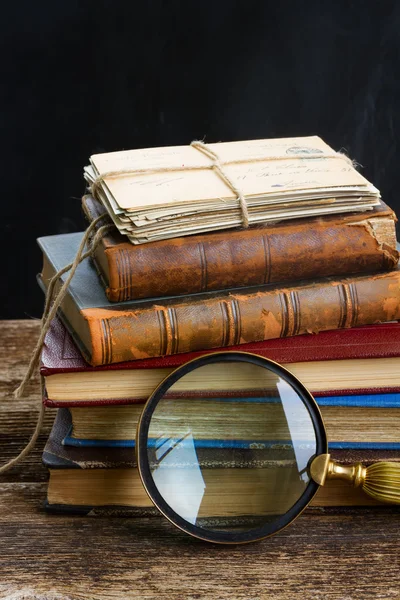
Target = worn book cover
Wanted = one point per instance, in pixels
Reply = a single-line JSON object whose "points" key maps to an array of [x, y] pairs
{"points": [[280, 253], [111, 333]]}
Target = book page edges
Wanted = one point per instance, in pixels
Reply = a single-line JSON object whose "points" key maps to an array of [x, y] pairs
{"points": [[123, 487]]}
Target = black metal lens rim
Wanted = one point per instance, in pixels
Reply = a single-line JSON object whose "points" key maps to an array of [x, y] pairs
{"points": [[144, 467]]}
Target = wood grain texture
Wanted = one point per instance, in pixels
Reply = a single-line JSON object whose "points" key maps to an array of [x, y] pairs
{"points": [[325, 554]]}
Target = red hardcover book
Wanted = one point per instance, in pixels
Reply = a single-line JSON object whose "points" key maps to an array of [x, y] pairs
{"points": [[360, 360]]}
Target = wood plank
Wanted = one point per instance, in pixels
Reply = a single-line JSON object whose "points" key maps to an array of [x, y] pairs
{"points": [[18, 417], [326, 554]]}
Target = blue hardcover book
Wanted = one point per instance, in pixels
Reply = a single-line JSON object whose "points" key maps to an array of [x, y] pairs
{"points": [[364, 422]]}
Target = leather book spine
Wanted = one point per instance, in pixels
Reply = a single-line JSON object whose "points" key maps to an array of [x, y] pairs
{"points": [[307, 249], [123, 335]]}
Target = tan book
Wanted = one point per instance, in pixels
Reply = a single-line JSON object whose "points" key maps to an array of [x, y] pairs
{"points": [[123, 487]]}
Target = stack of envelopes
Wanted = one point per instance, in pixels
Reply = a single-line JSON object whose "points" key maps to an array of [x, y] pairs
{"points": [[162, 193]]}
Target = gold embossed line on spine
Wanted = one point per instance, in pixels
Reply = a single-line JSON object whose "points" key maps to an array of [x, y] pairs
{"points": [[127, 270], [120, 271], [355, 304], [166, 334], [123, 273], [235, 322], [267, 257], [348, 300], [173, 319], [295, 300], [232, 329], [290, 306], [106, 346], [203, 264], [225, 324]]}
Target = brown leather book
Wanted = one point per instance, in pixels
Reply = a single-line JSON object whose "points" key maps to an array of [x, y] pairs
{"points": [[281, 253], [128, 331]]}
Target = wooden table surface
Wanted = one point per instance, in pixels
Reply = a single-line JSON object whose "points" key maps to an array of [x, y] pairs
{"points": [[325, 554]]}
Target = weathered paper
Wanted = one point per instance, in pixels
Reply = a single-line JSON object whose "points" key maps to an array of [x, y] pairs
{"points": [[253, 178], [157, 193]]}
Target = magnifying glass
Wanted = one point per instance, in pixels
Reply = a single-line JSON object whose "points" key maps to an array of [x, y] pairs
{"points": [[231, 448]]}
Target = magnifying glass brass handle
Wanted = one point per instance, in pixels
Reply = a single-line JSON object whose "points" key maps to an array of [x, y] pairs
{"points": [[381, 480]]}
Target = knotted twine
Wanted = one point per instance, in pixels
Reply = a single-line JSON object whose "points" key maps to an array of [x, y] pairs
{"points": [[52, 304]]}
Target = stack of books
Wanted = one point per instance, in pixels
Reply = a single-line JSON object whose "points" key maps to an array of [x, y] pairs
{"points": [[318, 291]]}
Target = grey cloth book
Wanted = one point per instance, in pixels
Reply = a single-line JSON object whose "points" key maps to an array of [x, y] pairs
{"points": [[85, 291]]}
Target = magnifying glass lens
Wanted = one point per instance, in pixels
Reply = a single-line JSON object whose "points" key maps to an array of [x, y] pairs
{"points": [[227, 449]]}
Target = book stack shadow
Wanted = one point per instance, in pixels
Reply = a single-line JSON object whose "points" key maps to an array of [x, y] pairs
{"points": [[319, 295]]}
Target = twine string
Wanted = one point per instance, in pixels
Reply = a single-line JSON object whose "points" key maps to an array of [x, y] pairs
{"points": [[52, 304], [53, 300], [217, 165]]}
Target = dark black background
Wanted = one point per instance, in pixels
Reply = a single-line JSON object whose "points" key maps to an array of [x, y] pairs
{"points": [[79, 77]]}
